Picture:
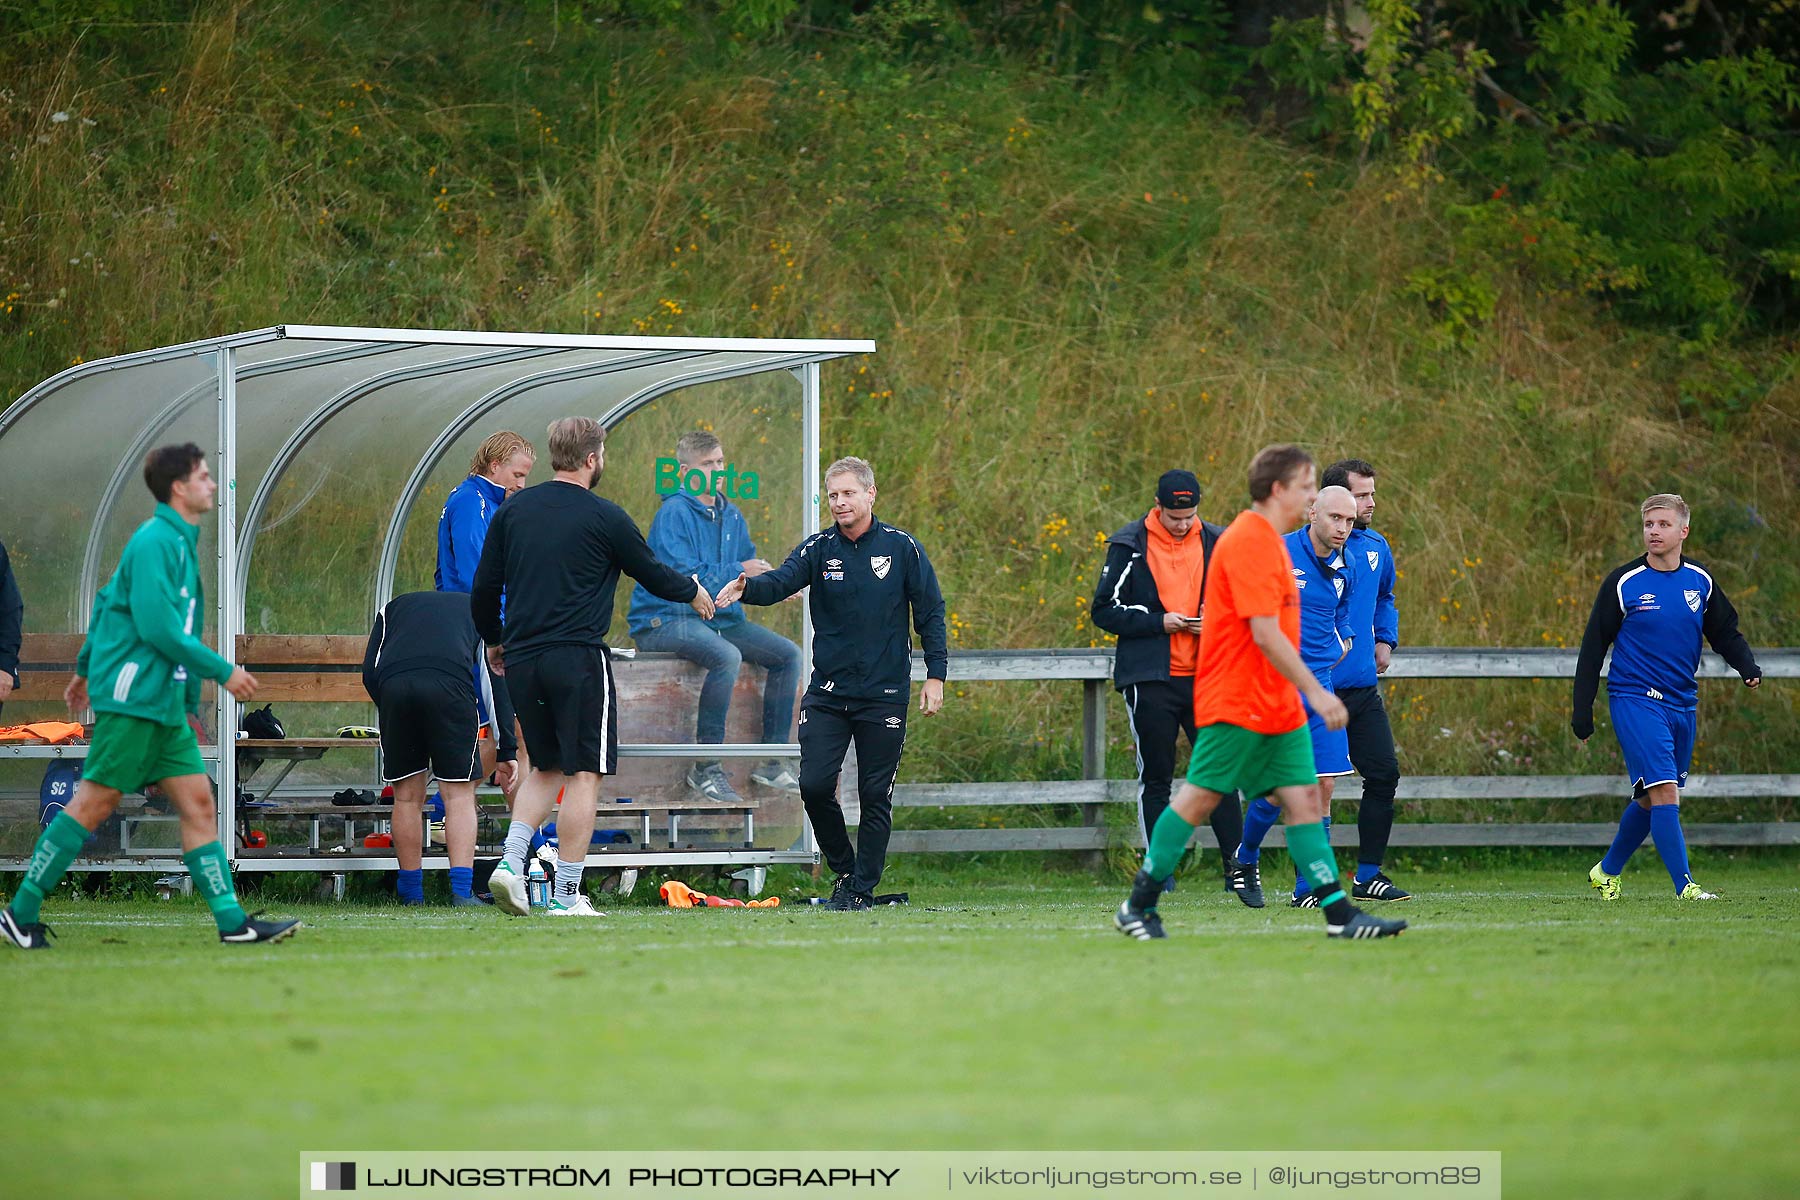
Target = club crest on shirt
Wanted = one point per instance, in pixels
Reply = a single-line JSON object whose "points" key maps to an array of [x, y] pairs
{"points": [[1693, 599], [1374, 559], [880, 563], [1338, 582]]}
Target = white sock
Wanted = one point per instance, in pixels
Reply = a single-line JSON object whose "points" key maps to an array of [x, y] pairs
{"points": [[568, 879], [518, 845]]}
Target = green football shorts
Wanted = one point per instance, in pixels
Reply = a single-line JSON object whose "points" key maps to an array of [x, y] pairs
{"points": [[1229, 758], [129, 752]]}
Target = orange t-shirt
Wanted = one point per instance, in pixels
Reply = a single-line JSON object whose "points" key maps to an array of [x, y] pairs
{"points": [[1177, 568], [1250, 575]]}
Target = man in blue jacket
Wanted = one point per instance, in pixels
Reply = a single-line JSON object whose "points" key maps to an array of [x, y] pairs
{"points": [[1375, 622], [499, 469], [706, 536]]}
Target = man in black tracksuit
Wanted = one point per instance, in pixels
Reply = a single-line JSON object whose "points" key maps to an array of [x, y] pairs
{"points": [[865, 575], [556, 551], [1146, 616]]}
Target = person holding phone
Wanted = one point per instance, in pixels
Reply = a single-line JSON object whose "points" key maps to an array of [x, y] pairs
{"points": [[1148, 596]]}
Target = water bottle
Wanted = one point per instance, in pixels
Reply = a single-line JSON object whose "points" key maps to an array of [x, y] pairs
{"points": [[538, 885]]}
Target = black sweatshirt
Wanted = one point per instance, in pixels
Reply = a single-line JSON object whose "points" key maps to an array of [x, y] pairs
{"points": [[860, 594], [432, 631], [556, 551]]}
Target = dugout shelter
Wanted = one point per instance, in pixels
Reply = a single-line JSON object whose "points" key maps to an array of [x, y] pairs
{"points": [[335, 448]]}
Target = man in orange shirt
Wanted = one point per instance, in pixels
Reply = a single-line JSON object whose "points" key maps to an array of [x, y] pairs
{"points": [[1252, 729]]}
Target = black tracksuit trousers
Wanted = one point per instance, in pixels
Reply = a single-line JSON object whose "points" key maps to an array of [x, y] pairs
{"points": [[1372, 754], [1161, 710], [828, 724]]}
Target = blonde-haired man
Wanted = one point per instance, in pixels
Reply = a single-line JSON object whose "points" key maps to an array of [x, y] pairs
{"points": [[1652, 612]]}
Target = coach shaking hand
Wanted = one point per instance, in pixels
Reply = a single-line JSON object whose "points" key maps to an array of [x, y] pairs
{"points": [[865, 575]]}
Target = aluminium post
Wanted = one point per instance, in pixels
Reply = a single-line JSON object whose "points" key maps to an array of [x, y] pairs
{"points": [[225, 599]]}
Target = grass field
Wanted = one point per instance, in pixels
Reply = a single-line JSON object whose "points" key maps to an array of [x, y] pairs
{"points": [[1635, 1049]]}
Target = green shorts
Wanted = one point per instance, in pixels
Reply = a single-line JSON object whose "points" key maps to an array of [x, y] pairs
{"points": [[129, 752], [1230, 758]]}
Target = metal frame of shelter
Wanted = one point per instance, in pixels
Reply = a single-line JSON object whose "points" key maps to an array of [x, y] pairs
{"points": [[666, 364]]}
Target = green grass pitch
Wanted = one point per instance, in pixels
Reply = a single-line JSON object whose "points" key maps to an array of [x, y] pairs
{"points": [[1635, 1049]]}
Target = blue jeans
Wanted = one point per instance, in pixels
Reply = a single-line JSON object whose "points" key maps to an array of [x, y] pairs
{"points": [[722, 652]]}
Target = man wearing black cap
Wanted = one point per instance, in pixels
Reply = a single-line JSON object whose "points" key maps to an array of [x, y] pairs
{"points": [[1149, 597]]}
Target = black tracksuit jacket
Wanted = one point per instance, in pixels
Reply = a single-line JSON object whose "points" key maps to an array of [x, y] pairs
{"points": [[1127, 605], [861, 591]]}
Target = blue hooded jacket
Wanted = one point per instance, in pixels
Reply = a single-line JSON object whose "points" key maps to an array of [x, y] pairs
{"points": [[1373, 616], [462, 530], [710, 541]]}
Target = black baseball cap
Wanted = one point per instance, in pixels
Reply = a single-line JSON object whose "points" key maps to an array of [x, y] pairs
{"points": [[1178, 489]]}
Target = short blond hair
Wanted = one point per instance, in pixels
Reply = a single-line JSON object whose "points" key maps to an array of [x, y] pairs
{"points": [[499, 448], [1667, 500], [864, 473], [572, 439]]}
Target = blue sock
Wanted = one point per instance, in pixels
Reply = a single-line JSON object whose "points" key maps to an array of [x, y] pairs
{"points": [[1258, 820], [1301, 887], [1671, 843], [1367, 871], [462, 881], [411, 887], [1634, 827]]}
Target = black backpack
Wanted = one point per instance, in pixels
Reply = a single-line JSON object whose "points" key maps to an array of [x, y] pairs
{"points": [[261, 723]]}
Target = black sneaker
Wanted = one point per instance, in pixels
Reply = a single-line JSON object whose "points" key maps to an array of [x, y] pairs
{"points": [[1142, 924], [26, 935], [1362, 925], [253, 930], [1306, 901], [1379, 888], [850, 901], [1244, 880]]}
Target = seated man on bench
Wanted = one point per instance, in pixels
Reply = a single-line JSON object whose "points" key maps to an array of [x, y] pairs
{"points": [[706, 536], [421, 667]]}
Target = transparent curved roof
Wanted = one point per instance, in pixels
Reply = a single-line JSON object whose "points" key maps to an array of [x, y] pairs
{"points": [[339, 444]]}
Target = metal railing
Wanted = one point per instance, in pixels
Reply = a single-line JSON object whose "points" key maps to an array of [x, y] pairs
{"points": [[1093, 669]]}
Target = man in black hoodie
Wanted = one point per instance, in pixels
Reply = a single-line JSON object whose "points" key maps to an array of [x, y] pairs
{"points": [[1149, 597]]}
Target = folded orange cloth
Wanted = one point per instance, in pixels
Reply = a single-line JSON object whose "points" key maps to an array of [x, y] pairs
{"points": [[765, 902], [16, 733], [55, 731]]}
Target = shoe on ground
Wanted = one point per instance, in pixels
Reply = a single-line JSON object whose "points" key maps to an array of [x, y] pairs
{"points": [[1304, 900], [1362, 925], [577, 905], [1608, 885], [1694, 891], [1244, 880], [26, 935], [465, 901], [1379, 888], [508, 887], [708, 781], [776, 774], [253, 930], [850, 901], [1143, 924]]}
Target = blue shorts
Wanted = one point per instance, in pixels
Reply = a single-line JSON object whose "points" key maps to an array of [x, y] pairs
{"points": [[1331, 747], [1658, 741]]}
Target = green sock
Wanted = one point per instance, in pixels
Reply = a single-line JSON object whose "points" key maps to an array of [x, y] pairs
{"points": [[1168, 842], [207, 865], [56, 848], [1310, 849]]}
